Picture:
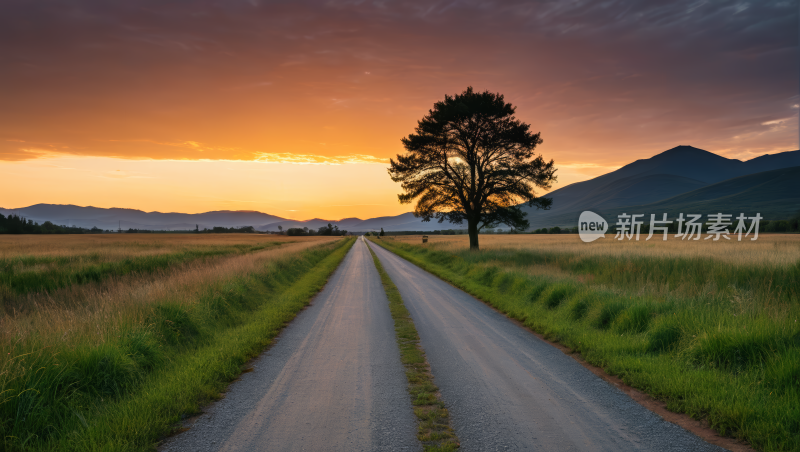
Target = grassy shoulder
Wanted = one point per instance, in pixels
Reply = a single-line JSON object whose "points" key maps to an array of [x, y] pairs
{"points": [[738, 370], [435, 431], [127, 392]]}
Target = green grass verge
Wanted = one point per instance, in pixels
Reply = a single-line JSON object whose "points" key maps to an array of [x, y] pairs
{"points": [[124, 395], [434, 431], [737, 369]]}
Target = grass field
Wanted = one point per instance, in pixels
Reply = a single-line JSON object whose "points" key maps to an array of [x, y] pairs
{"points": [[31, 264], [712, 328], [111, 363]]}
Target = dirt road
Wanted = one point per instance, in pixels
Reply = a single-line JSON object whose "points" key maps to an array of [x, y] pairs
{"points": [[333, 381], [508, 390]]}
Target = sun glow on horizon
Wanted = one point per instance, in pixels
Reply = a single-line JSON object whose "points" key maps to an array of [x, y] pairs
{"points": [[299, 188], [289, 190], [296, 108]]}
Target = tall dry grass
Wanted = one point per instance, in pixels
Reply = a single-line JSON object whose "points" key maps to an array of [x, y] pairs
{"points": [[125, 245], [39, 264], [769, 249], [757, 276], [95, 312]]}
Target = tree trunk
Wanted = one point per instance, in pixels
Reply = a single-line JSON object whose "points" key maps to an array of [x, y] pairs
{"points": [[472, 228]]}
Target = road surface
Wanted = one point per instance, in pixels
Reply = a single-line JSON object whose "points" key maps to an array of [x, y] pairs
{"points": [[332, 382], [506, 389]]}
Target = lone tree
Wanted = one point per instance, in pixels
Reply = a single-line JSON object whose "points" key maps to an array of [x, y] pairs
{"points": [[470, 159]]}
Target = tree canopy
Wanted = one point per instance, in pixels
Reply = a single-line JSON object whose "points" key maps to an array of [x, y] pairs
{"points": [[471, 159]]}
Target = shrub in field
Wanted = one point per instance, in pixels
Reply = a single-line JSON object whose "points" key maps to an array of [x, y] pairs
{"points": [[144, 348], [102, 371], [736, 350], [537, 287], [520, 285], [664, 336], [556, 294], [579, 306], [486, 277], [634, 319], [605, 314], [174, 324], [504, 281]]}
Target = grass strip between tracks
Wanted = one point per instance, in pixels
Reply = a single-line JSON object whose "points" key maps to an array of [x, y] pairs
{"points": [[744, 381], [165, 370], [435, 431]]}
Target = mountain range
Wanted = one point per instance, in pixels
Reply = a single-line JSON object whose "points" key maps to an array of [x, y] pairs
{"points": [[681, 179]]}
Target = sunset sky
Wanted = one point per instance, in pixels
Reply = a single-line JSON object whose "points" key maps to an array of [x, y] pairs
{"points": [[294, 107]]}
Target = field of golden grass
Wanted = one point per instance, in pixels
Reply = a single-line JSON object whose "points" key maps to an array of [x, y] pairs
{"points": [[31, 264], [99, 309], [769, 249], [128, 245], [96, 311]]}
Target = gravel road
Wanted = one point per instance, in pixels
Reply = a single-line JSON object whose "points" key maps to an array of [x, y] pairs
{"points": [[506, 389], [332, 382]]}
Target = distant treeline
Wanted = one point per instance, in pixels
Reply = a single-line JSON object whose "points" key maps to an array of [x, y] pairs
{"points": [[214, 230], [324, 230], [152, 231], [223, 230], [436, 232], [557, 230], [14, 224]]}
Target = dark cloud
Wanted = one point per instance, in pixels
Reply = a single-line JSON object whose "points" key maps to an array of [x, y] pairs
{"points": [[620, 78]]}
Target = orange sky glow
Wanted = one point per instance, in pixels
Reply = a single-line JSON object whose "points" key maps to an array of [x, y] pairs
{"points": [[294, 108]]}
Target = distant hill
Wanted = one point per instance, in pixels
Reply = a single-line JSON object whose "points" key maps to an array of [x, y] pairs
{"points": [[774, 194], [88, 217], [682, 169], [113, 218]]}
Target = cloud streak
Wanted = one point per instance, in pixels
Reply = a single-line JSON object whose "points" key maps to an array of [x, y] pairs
{"points": [[605, 82]]}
